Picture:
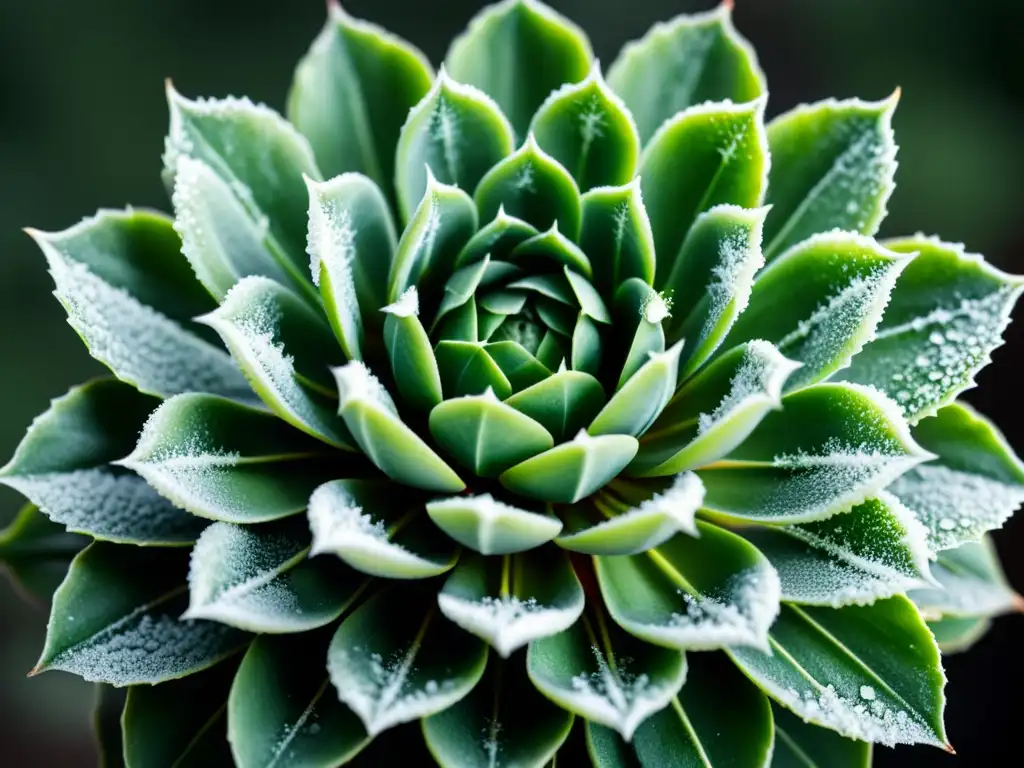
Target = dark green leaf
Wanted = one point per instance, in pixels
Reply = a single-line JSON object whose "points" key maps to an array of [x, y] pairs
{"points": [[801, 745], [412, 357], [106, 722], [552, 247], [37, 553], [563, 403], [586, 346], [497, 239], [467, 369]]}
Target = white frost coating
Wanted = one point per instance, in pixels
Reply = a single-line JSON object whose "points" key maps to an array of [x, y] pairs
{"points": [[656, 307], [757, 381], [408, 304], [357, 384], [493, 522], [416, 248], [508, 623], [331, 239], [141, 345]]}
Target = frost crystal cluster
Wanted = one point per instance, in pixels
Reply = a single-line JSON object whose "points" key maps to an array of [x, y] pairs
{"points": [[518, 414]]}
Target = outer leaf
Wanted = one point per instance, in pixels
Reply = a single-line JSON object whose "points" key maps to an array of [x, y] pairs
{"points": [[946, 314], [955, 634], [499, 51], [282, 712], [715, 412], [492, 527], [855, 670], [633, 409], [970, 583], [378, 529], [563, 403], [572, 470], [224, 461], [351, 94], [801, 745], [391, 667], [131, 296], [697, 594], [282, 346], [705, 156], [833, 165], [37, 552], [851, 443], [397, 451], [599, 672], [821, 303], [457, 132], [515, 599], [689, 60], [503, 723], [114, 620], [973, 486], [63, 465], [106, 725], [615, 233]]}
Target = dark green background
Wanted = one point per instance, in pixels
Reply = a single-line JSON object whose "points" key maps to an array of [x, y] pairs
{"points": [[82, 119]]}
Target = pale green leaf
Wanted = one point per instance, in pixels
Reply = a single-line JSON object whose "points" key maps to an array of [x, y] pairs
{"points": [[467, 369], [563, 403], [970, 583], [615, 233], [634, 408], [640, 308], [586, 346], [956, 634], [551, 246], [411, 355], [490, 526], [522, 369]]}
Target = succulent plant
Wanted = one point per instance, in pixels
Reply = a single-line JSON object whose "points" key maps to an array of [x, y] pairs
{"points": [[479, 403]]}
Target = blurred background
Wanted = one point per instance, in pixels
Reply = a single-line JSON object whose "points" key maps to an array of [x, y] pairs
{"points": [[82, 120]]}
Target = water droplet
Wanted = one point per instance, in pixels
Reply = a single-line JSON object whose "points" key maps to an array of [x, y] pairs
{"points": [[867, 693]]}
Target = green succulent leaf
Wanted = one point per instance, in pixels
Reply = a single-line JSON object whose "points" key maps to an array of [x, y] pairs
{"points": [[522, 369], [821, 303], [570, 471], [498, 238], [830, 447], [222, 460], [564, 403], [37, 552], [640, 307], [705, 156], [114, 619], [500, 51], [718, 719], [876, 550], [512, 600], [467, 370], [378, 529], [689, 60], [716, 411], [855, 670], [615, 233], [946, 315], [955, 634], [179, 723], [552, 247], [692, 593], [457, 132], [412, 357], [586, 346], [969, 583], [802, 745], [490, 526], [974, 483], [106, 725], [461, 286], [633, 409], [633, 518], [587, 297], [258, 578], [282, 712], [833, 165], [121, 277], [64, 465], [598, 671], [503, 723], [351, 94], [391, 667]]}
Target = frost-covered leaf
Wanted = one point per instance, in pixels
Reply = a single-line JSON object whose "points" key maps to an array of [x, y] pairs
{"points": [[284, 348], [830, 447], [946, 315], [689, 60], [457, 132], [350, 243], [282, 712], [378, 529], [532, 186], [715, 411], [633, 409], [802, 745], [643, 311], [718, 719], [868, 672], [821, 302], [37, 552], [563, 403], [973, 486], [63, 465], [691, 593], [394, 448], [351, 94], [503, 723], [833, 165], [115, 620], [878, 549], [491, 526], [511, 600], [588, 129], [257, 153], [604, 674], [180, 722], [501, 50], [572, 470], [955, 634], [131, 296], [259, 578], [630, 518], [705, 156], [711, 281], [970, 583], [392, 666], [409, 350], [615, 233]]}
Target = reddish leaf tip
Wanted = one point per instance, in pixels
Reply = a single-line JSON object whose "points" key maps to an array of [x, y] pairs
{"points": [[728, 5], [949, 748]]}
